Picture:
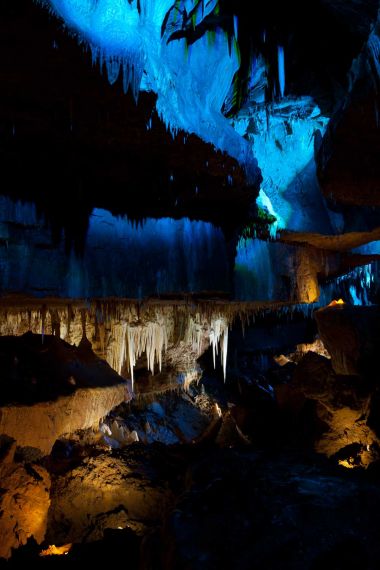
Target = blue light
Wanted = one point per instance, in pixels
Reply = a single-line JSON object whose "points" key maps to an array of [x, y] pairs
{"points": [[358, 287], [121, 258], [356, 300], [191, 82], [372, 248], [254, 274], [283, 140], [236, 27], [154, 258], [263, 272], [281, 69]]}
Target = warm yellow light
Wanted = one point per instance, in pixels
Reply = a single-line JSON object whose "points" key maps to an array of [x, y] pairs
{"points": [[336, 302], [347, 463], [54, 550]]}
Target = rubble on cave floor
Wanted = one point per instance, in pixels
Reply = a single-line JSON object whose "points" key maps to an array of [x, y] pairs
{"points": [[175, 417]]}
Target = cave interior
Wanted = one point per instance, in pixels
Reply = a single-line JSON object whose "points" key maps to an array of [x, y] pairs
{"points": [[189, 283]]}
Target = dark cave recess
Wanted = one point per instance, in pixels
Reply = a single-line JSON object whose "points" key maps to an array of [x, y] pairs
{"points": [[71, 142]]}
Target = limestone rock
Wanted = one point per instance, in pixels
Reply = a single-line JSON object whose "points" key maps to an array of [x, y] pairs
{"points": [[315, 378], [342, 405], [51, 389], [41, 424], [352, 337], [24, 501], [107, 491]]}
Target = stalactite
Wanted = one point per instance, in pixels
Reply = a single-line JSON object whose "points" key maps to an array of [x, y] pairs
{"points": [[224, 350], [43, 322], [115, 346], [55, 323], [217, 335], [150, 338], [84, 320], [102, 336]]}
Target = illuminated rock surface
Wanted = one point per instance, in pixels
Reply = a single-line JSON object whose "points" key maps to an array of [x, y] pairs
{"points": [[25, 500], [108, 491]]}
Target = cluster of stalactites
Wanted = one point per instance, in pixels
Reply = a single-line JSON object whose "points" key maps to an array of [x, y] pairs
{"points": [[358, 287], [126, 37], [212, 330], [153, 337], [57, 321], [133, 340], [112, 30], [129, 68], [122, 332]]}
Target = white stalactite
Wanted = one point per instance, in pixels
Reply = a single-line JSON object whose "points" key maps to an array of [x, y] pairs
{"points": [[217, 336]]}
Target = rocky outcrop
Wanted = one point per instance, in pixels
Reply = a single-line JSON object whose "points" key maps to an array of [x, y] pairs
{"points": [[109, 491], [51, 389], [352, 337], [40, 425], [342, 408], [315, 377], [24, 500], [342, 242]]}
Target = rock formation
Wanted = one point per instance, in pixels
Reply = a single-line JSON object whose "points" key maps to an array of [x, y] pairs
{"points": [[52, 389], [24, 502]]}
